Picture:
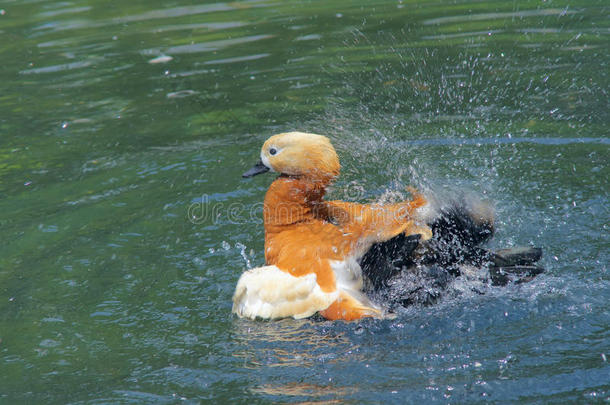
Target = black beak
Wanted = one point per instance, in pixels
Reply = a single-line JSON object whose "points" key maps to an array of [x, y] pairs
{"points": [[258, 168]]}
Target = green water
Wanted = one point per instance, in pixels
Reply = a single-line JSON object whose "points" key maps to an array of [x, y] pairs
{"points": [[125, 224]]}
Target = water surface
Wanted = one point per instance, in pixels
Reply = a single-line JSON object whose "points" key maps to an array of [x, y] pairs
{"points": [[125, 224]]}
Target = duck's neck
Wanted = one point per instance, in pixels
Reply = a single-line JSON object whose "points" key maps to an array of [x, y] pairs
{"points": [[291, 200]]}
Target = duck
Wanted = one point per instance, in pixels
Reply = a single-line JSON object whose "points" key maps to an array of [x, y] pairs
{"points": [[329, 258]]}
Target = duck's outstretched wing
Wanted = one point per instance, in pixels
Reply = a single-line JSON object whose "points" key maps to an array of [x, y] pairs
{"points": [[386, 259], [458, 233], [459, 229], [270, 293], [374, 223]]}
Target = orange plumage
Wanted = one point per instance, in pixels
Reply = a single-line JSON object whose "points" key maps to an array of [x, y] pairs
{"points": [[306, 236]]}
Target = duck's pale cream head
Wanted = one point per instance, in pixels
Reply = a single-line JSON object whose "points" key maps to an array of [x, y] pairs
{"points": [[298, 154]]}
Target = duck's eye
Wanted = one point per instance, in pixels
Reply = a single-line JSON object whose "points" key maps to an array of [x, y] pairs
{"points": [[272, 151]]}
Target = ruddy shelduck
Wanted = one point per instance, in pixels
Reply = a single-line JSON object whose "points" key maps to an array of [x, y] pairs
{"points": [[312, 246]]}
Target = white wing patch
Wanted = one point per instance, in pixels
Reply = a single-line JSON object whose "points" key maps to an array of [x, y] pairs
{"points": [[348, 273], [349, 281], [270, 293]]}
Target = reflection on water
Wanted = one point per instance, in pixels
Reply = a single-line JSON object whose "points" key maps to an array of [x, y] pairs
{"points": [[312, 392], [290, 343]]}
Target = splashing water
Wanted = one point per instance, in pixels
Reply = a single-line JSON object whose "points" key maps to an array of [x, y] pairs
{"points": [[242, 252]]}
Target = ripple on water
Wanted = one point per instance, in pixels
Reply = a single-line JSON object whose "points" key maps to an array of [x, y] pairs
{"points": [[492, 16], [209, 46], [57, 68], [69, 10]]}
